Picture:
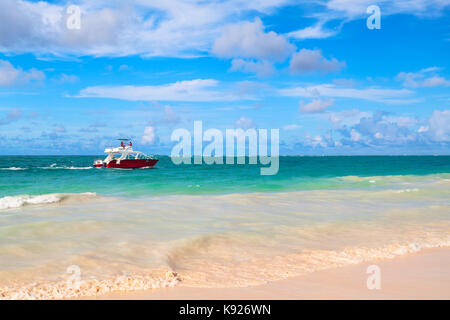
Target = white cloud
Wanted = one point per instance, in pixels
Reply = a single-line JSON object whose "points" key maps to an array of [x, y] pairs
{"points": [[149, 136], [313, 32], [357, 8], [430, 69], [261, 68], [306, 61], [331, 90], [119, 28], [9, 75], [41, 27], [189, 90], [345, 11], [248, 40], [384, 129], [380, 128], [245, 123], [355, 135], [346, 117], [439, 126], [435, 81], [422, 78], [315, 106], [316, 141], [171, 27]]}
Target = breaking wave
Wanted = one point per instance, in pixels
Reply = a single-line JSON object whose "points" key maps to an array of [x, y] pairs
{"points": [[9, 202], [216, 274], [55, 166], [257, 271], [92, 287]]}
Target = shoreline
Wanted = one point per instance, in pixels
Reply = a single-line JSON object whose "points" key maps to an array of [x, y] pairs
{"points": [[421, 275]]}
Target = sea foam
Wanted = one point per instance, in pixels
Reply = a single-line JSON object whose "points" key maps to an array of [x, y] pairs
{"points": [[9, 202], [53, 166], [90, 287]]}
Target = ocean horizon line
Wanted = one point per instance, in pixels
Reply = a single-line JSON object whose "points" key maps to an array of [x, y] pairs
{"points": [[281, 155]]}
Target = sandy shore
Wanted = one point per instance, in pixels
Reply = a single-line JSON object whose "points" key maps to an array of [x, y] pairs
{"points": [[423, 275]]}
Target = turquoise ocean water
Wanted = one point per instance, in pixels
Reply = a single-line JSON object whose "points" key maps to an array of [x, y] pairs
{"points": [[74, 174]]}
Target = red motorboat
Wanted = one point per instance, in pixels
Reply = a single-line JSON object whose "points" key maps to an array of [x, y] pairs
{"points": [[125, 157]]}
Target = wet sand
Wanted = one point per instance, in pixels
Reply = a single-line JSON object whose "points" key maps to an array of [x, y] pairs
{"points": [[422, 275]]}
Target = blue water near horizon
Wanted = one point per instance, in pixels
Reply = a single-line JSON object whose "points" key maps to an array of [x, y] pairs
{"points": [[35, 175]]}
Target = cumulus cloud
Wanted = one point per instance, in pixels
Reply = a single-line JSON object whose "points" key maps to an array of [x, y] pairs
{"points": [[379, 126], [9, 75], [42, 27], [315, 106], [424, 78], [438, 128], [119, 28], [149, 136], [249, 40], [261, 68], [323, 141], [189, 90], [306, 61], [171, 27], [355, 135], [382, 128]]}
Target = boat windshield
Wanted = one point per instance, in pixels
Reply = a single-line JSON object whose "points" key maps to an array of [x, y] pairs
{"points": [[141, 156], [131, 156]]}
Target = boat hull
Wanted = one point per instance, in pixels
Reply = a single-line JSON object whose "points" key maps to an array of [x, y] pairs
{"points": [[132, 163]]}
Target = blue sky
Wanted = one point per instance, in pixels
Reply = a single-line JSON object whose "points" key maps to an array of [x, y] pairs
{"points": [[141, 69]]}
